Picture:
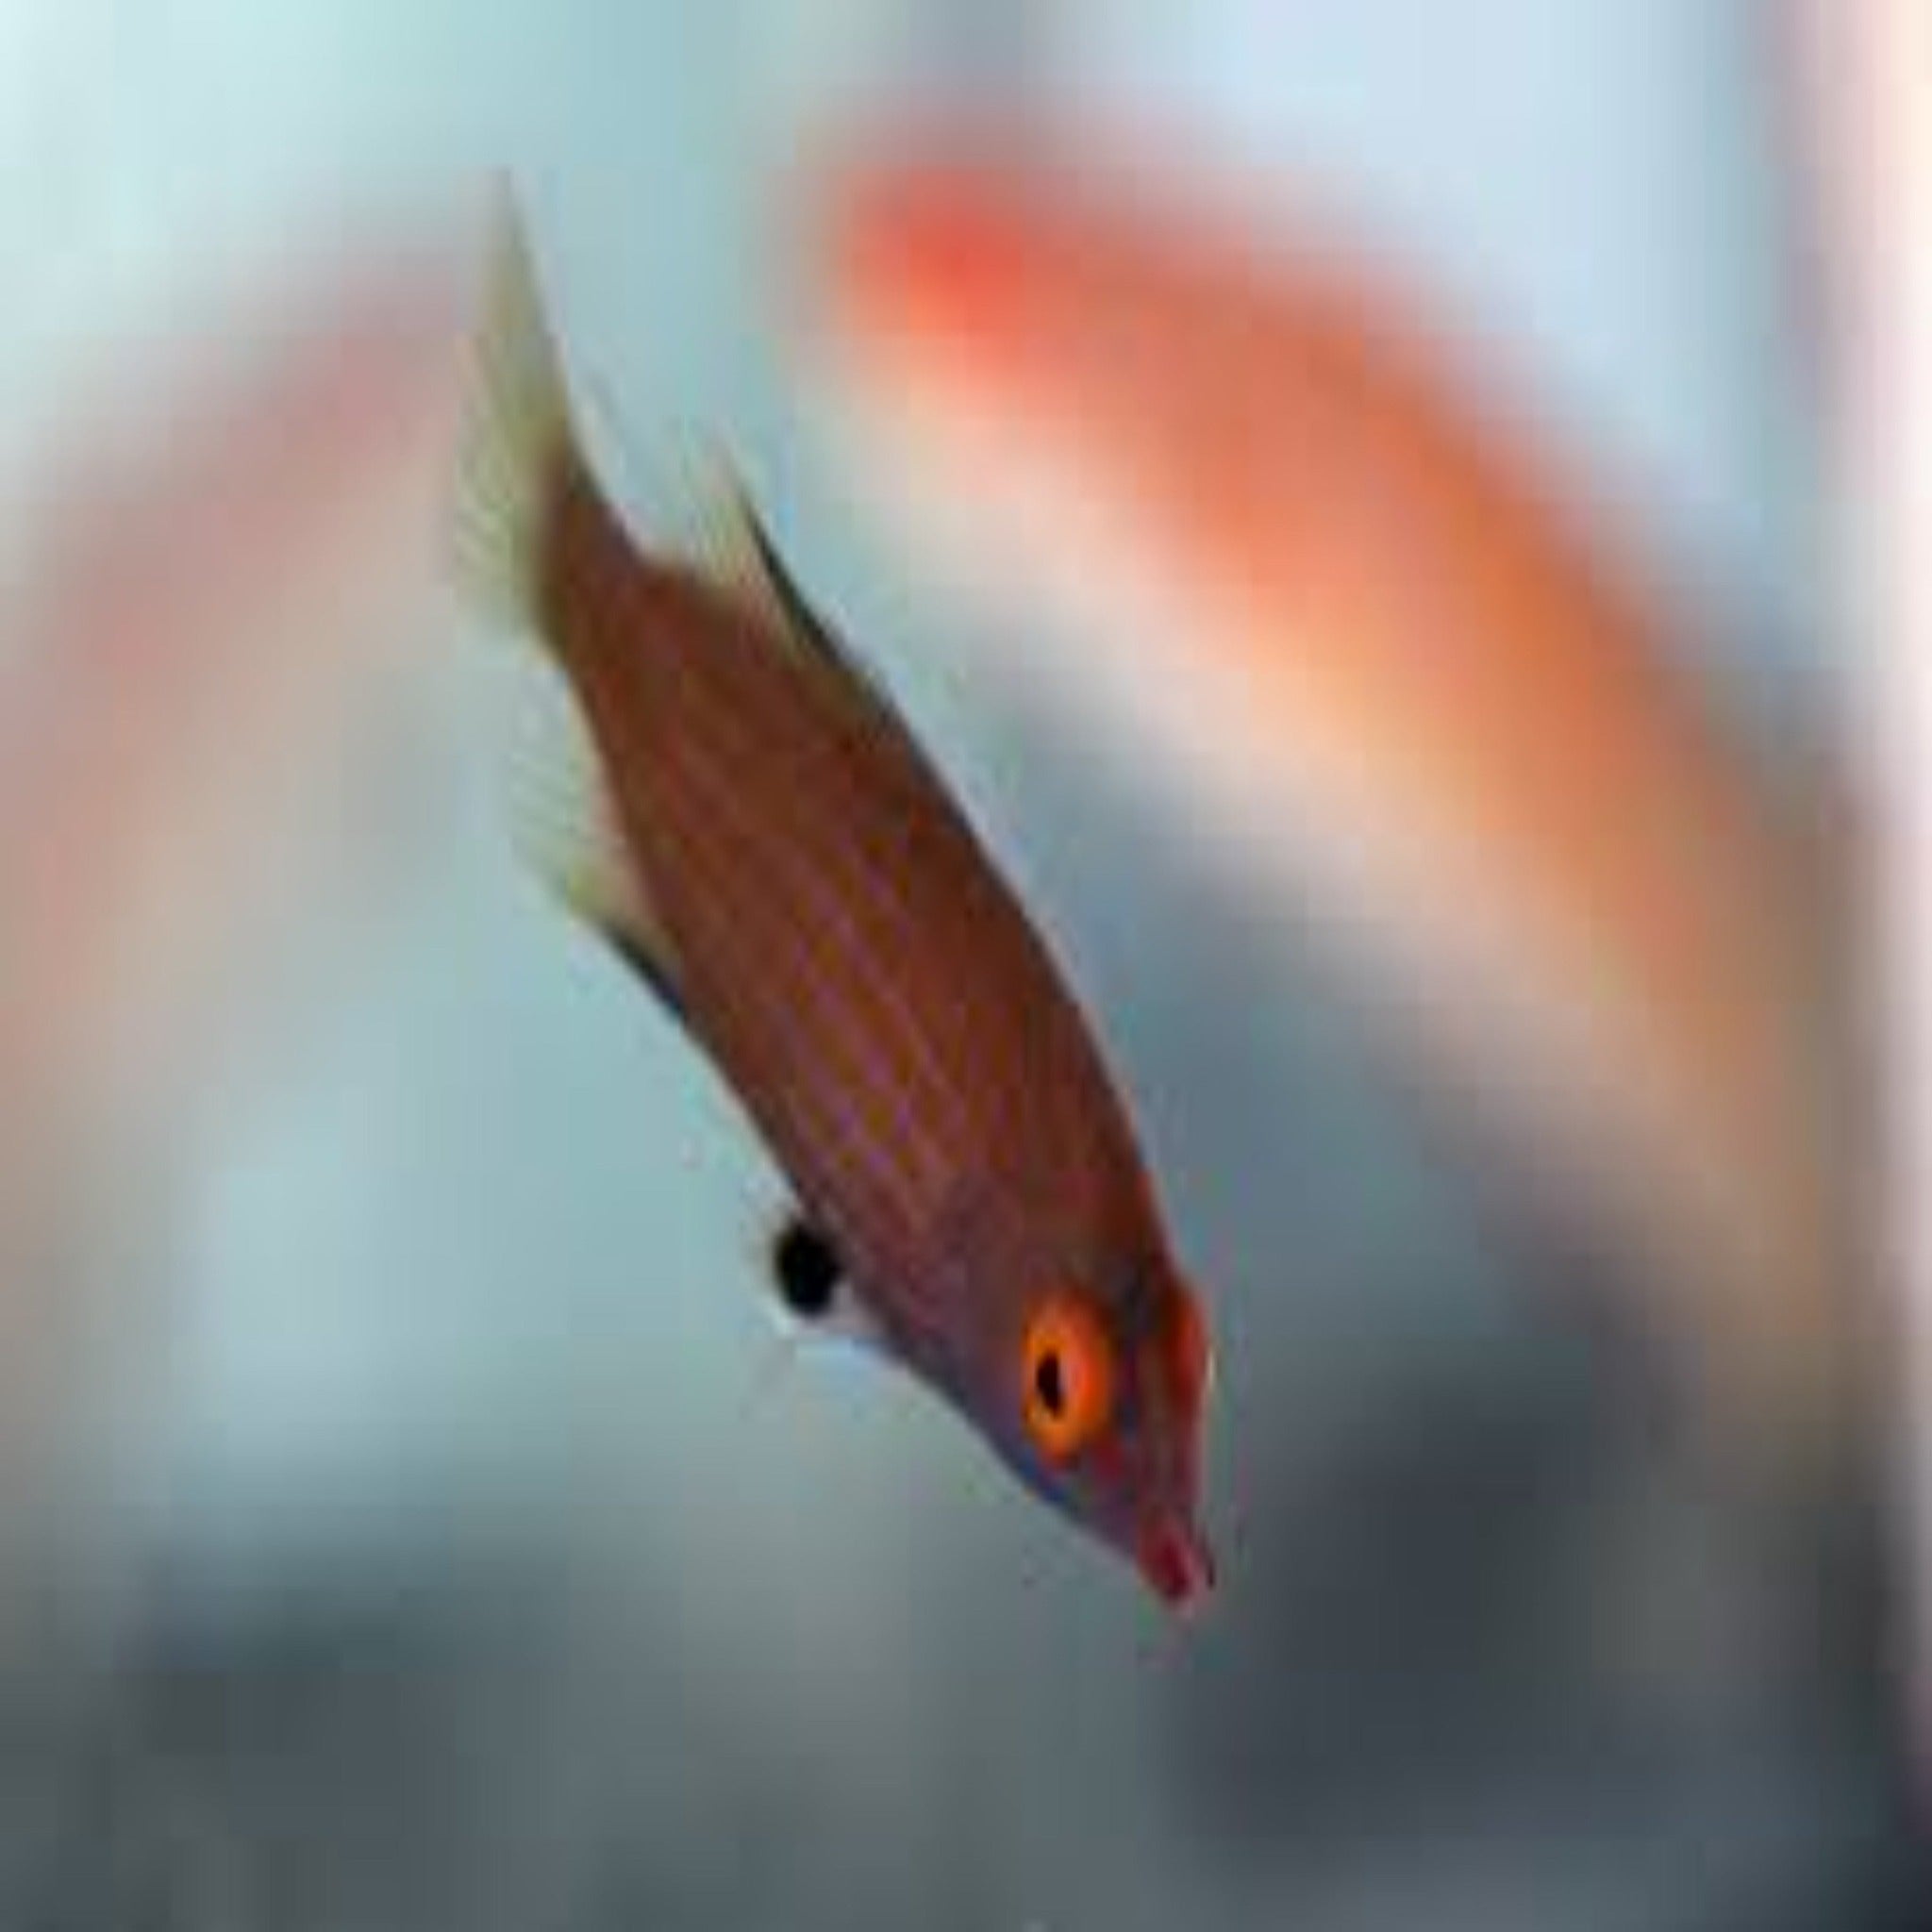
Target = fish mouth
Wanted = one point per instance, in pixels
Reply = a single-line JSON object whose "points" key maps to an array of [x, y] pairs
{"points": [[1174, 1558]]}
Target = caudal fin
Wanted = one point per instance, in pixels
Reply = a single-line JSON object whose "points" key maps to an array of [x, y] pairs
{"points": [[517, 444], [518, 451]]}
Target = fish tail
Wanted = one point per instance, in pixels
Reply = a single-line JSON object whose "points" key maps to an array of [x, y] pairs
{"points": [[518, 455], [518, 448]]}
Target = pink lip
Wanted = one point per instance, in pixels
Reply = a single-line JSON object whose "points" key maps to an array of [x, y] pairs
{"points": [[1178, 1565]]}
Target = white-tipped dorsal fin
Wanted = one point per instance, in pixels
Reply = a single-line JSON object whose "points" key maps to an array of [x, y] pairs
{"points": [[716, 528]]}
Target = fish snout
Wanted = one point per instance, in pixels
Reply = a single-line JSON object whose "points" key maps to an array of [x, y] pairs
{"points": [[1174, 1558]]}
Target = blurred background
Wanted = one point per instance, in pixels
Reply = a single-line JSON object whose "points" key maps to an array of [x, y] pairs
{"points": [[440, 1536]]}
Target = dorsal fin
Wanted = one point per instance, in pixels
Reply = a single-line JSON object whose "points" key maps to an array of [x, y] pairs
{"points": [[726, 541]]}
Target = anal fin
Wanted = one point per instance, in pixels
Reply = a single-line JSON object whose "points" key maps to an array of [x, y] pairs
{"points": [[567, 827]]}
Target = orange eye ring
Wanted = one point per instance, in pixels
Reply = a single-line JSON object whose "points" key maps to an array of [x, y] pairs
{"points": [[1068, 1372]]}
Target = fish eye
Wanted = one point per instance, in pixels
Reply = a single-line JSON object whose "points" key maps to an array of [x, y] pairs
{"points": [[1068, 1369], [807, 1269]]}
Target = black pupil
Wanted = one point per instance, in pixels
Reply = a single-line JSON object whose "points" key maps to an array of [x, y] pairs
{"points": [[807, 1269], [1049, 1382]]}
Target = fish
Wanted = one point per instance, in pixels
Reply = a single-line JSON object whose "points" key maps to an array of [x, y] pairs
{"points": [[1276, 542], [731, 800], [219, 569], [208, 602]]}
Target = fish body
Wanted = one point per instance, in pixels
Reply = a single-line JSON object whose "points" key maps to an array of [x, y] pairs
{"points": [[761, 833]]}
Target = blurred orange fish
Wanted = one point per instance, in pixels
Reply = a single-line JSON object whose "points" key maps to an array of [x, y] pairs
{"points": [[735, 804], [1340, 603], [209, 608], [218, 588]]}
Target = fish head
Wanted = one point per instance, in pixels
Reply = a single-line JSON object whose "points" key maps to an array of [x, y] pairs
{"points": [[1093, 1387]]}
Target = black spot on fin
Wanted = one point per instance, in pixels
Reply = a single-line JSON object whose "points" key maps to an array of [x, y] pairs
{"points": [[807, 1268]]}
